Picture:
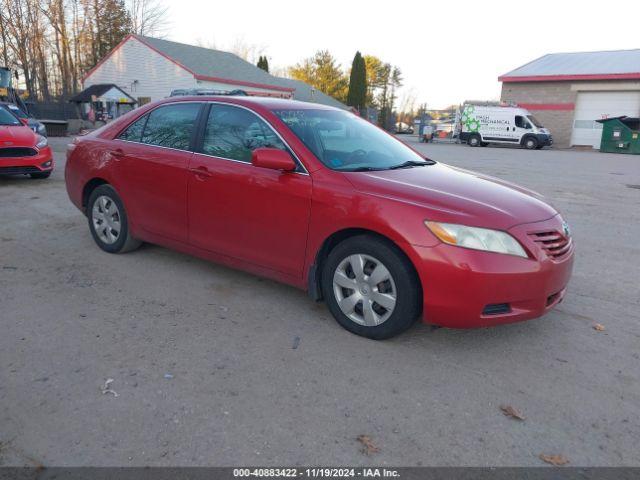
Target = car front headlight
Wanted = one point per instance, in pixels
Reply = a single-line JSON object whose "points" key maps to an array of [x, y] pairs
{"points": [[476, 238], [42, 142], [41, 129]]}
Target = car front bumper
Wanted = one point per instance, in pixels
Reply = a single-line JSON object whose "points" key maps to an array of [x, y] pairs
{"points": [[465, 288], [39, 163]]}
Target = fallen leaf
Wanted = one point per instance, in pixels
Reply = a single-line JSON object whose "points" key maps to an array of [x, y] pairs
{"points": [[106, 388], [555, 460], [599, 327], [512, 412], [368, 447]]}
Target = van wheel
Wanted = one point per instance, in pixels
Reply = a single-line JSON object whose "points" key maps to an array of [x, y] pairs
{"points": [[108, 221], [530, 143], [474, 141], [370, 288]]}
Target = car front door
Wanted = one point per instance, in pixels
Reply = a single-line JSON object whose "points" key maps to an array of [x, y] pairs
{"points": [[152, 159], [523, 126], [253, 214]]}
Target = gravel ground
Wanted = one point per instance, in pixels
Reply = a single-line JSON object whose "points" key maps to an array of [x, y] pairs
{"points": [[206, 372]]}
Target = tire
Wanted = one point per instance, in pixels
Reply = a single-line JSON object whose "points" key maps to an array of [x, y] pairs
{"points": [[105, 206], [530, 143], [398, 283], [474, 141], [40, 176]]}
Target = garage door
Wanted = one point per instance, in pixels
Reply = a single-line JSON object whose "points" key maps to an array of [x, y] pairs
{"points": [[591, 106]]}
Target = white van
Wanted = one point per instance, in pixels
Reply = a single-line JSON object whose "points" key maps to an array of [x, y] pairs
{"points": [[481, 125]]}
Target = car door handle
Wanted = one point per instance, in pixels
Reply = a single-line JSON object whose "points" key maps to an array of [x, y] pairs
{"points": [[201, 171]]}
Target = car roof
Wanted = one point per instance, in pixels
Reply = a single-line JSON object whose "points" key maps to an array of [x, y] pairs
{"points": [[251, 101]]}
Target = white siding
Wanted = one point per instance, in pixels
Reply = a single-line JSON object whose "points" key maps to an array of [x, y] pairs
{"points": [[156, 75]]}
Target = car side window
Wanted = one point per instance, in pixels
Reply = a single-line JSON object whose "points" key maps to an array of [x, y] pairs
{"points": [[171, 126], [521, 122], [133, 133], [234, 133]]}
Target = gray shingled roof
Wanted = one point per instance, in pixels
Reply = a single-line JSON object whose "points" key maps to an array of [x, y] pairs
{"points": [[581, 63], [216, 63]]}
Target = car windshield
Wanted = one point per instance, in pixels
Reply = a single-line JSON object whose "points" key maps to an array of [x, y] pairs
{"points": [[7, 118], [345, 142], [16, 111], [535, 121]]}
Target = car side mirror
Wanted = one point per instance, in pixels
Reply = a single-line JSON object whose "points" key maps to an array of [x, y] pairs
{"points": [[24, 121], [273, 158]]}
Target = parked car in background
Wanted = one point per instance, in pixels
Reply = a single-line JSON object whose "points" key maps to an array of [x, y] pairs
{"points": [[22, 151], [507, 125], [321, 199], [32, 123], [403, 128]]}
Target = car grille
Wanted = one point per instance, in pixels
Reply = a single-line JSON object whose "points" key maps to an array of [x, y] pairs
{"points": [[18, 170], [554, 243], [17, 152]]}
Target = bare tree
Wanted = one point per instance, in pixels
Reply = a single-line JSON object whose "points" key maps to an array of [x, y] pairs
{"points": [[148, 17], [245, 50]]}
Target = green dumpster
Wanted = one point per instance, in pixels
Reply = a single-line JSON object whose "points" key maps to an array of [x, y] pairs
{"points": [[620, 135]]}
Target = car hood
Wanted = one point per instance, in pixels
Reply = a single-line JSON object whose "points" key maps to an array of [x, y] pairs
{"points": [[16, 136], [454, 195]]}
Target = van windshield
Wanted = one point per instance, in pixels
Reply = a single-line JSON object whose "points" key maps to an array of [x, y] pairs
{"points": [[345, 142], [535, 121]]}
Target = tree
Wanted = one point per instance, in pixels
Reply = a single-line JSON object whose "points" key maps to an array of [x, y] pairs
{"points": [[322, 72], [357, 96], [148, 17], [263, 63], [115, 23]]}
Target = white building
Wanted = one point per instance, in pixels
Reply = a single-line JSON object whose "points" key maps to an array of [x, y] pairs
{"points": [[148, 69]]}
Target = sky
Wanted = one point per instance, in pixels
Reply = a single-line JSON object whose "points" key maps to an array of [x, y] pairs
{"points": [[447, 51]]}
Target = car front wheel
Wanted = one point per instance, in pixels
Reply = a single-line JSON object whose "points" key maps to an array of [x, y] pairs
{"points": [[530, 143], [371, 288], [108, 221]]}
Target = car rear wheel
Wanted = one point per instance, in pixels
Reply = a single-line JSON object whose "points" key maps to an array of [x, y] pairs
{"points": [[108, 221], [371, 288], [474, 141], [40, 176]]}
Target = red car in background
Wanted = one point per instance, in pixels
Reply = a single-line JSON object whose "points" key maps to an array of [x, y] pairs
{"points": [[22, 151], [319, 198]]}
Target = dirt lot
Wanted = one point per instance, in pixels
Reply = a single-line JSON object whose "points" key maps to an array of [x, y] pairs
{"points": [[206, 372]]}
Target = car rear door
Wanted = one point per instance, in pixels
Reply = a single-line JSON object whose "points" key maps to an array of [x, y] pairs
{"points": [[152, 159], [249, 213]]}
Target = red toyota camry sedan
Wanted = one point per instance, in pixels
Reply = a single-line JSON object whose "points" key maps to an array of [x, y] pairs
{"points": [[22, 151], [319, 198]]}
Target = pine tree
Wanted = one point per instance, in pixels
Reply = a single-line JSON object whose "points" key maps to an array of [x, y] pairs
{"points": [[357, 96], [263, 63]]}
